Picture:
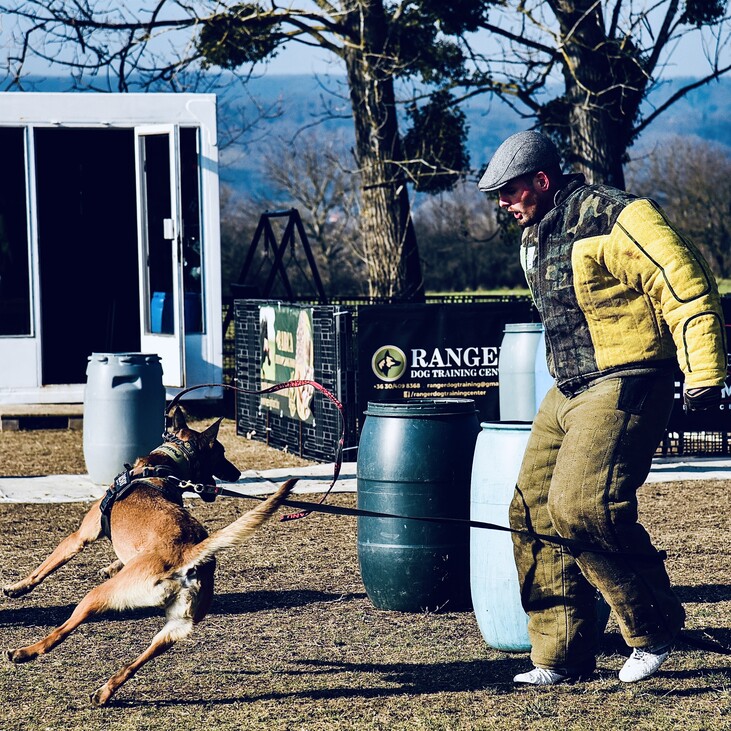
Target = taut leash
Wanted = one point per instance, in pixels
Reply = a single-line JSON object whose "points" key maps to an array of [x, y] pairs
{"points": [[305, 508], [575, 546]]}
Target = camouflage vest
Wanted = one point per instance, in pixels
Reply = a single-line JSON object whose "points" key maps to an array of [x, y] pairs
{"points": [[581, 211]]}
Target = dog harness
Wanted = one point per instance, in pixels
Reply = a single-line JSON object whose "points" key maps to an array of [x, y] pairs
{"points": [[184, 456], [128, 480]]}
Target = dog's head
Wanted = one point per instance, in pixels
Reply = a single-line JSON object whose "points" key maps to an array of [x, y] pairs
{"points": [[208, 450]]}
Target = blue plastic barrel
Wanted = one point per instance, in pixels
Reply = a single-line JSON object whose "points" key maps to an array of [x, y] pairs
{"points": [[494, 581], [124, 411], [414, 459], [516, 371], [493, 577]]}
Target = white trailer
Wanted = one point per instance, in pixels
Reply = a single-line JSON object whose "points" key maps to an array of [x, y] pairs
{"points": [[109, 239]]}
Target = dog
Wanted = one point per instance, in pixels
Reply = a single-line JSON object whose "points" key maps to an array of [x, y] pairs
{"points": [[165, 556]]}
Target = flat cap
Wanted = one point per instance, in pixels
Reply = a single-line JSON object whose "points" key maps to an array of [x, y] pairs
{"points": [[521, 153]]}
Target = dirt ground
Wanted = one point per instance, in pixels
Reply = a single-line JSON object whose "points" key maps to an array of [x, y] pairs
{"points": [[60, 451], [293, 641]]}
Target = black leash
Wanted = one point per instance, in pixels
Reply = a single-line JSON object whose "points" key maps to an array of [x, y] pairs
{"points": [[708, 644], [576, 547]]}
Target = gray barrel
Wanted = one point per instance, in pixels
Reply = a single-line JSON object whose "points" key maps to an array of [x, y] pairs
{"points": [[124, 411], [516, 371]]}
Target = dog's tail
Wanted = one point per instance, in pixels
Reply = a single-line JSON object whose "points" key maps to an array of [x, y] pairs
{"points": [[237, 532]]}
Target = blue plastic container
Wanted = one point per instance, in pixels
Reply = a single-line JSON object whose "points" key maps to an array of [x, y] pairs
{"points": [[161, 312], [493, 577], [124, 411], [494, 581], [516, 371]]}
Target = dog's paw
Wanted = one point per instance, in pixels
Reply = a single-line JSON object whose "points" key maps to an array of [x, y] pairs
{"points": [[13, 591], [112, 570], [18, 656], [101, 697]]}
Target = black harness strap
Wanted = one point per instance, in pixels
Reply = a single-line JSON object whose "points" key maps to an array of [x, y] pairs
{"points": [[128, 480]]}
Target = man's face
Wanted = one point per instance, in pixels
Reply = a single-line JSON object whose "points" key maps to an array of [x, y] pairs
{"points": [[527, 198]]}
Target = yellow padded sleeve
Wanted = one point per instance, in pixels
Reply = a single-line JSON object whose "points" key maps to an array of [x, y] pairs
{"points": [[646, 254]]}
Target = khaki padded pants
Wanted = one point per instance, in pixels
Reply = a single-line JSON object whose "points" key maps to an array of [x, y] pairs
{"points": [[585, 460]]}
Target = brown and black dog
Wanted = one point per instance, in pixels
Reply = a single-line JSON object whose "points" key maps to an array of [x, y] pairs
{"points": [[165, 556]]}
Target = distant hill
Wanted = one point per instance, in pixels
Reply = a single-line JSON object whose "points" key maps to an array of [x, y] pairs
{"points": [[303, 99], [295, 102]]}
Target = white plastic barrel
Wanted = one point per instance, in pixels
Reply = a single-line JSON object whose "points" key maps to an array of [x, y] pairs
{"points": [[516, 371], [493, 577], [544, 380], [124, 411], [494, 584]]}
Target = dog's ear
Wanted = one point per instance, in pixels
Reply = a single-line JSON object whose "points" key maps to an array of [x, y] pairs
{"points": [[178, 419], [211, 433]]}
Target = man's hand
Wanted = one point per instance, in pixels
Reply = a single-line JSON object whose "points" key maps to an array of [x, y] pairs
{"points": [[702, 399]]}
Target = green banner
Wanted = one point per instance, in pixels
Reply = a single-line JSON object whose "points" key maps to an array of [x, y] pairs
{"points": [[287, 354]]}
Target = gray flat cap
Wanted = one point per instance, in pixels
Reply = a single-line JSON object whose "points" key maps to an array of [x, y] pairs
{"points": [[521, 153]]}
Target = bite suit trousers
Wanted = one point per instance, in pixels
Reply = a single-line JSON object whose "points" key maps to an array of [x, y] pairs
{"points": [[586, 458]]}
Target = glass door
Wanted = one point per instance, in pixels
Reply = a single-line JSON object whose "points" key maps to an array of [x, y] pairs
{"points": [[159, 222]]}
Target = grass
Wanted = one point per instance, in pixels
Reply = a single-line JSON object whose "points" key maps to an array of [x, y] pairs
{"points": [[293, 642]]}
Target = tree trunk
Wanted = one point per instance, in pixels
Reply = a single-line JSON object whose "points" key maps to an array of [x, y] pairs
{"points": [[604, 87], [389, 240]]}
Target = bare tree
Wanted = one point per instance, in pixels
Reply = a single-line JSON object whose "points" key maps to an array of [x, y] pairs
{"points": [[609, 57], [377, 41], [311, 175], [691, 179], [464, 244]]}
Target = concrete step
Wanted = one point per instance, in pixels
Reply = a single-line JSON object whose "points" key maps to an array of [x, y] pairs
{"points": [[16, 417]]}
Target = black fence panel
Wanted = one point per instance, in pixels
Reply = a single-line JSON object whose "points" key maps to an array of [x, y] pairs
{"points": [[301, 420]]}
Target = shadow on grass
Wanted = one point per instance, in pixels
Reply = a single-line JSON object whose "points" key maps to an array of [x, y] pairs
{"points": [[403, 679], [224, 604], [245, 602], [704, 594], [717, 678]]}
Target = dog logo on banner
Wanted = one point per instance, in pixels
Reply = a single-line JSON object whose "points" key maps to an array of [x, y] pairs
{"points": [[388, 363]]}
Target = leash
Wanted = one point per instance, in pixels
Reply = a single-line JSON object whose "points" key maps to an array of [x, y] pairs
{"points": [[300, 383], [210, 492], [575, 546], [305, 508], [707, 643]]}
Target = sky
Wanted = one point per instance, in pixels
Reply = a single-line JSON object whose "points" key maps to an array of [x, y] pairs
{"points": [[296, 58], [688, 60]]}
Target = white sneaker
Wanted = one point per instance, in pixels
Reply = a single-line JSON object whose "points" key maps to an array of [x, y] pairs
{"points": [[541, 676], [642, 664]]}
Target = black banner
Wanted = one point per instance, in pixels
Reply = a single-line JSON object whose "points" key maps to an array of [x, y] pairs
{"points": [[434, 350]]}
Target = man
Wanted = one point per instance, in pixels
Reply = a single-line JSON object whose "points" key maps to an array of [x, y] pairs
{"points": [[623, 298]]}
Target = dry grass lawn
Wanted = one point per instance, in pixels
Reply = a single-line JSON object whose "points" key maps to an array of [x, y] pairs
{"points": [[293, 642]]}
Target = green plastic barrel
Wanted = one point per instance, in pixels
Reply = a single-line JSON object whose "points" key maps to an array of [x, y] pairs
{"points": [[415, 459], [124, 411]]}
